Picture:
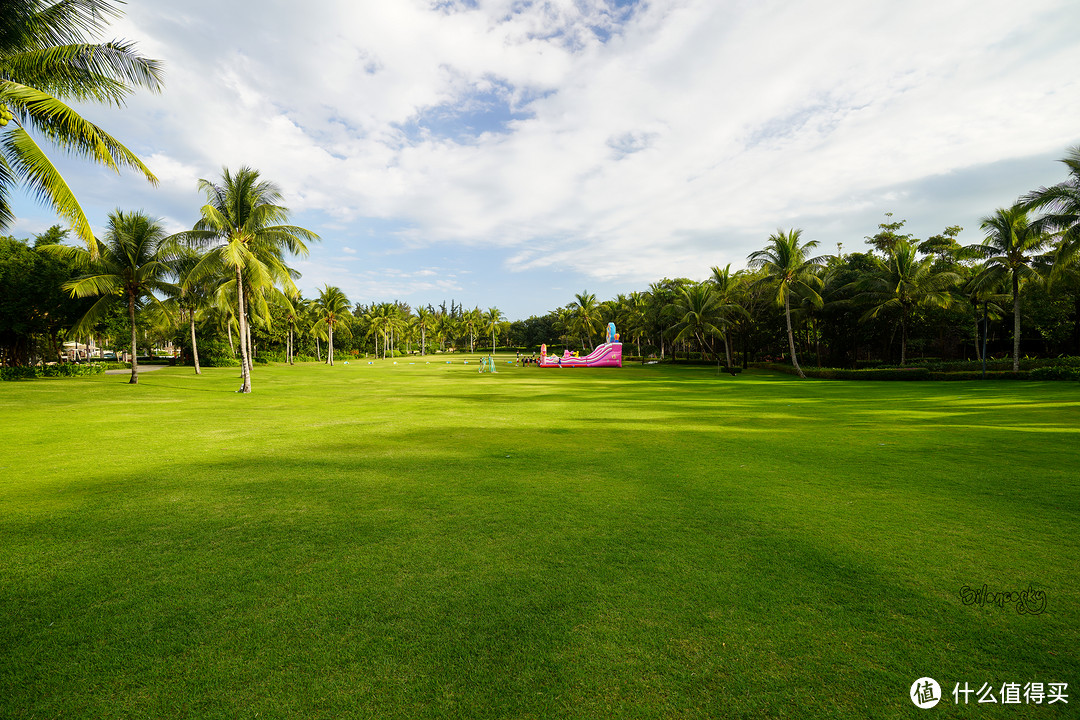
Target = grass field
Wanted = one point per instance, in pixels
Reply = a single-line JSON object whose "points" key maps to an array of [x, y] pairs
{"points": [[421, 541]]}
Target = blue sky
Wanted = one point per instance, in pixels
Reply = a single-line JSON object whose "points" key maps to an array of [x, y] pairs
{"points": [[513, 153]]}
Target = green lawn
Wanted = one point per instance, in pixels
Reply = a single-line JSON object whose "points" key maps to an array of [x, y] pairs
{"points": [[421, 541]]}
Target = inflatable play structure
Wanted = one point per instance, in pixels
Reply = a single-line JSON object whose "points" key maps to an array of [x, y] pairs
{"points": [[607, 355]]}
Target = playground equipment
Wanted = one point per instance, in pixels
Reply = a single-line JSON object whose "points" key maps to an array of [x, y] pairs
{"points": [[487, 364], [608, 354]]}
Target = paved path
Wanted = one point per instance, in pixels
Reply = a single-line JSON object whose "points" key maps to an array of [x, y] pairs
{"points": [[142, 369]]}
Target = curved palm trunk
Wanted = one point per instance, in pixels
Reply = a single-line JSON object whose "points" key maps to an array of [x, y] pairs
{"points": [[194, 347], [1016, 321], [791, 337], [245, 359], [134, 355], [727, 349]]}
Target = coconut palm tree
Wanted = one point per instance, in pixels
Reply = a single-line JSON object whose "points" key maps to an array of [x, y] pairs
{"points": [[699, 314], [1011, 250], [130, 265], [333, 307], [490, 322], [46, 56], [424, 320], [903, 282], [192, 296], [1061, 205], [727, 289], [786, 265], [245, 223], [585, 315]]}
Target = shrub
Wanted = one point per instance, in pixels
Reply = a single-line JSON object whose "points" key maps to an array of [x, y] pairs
{"points": [[1059, 372], [219, 361], [30, 372]]}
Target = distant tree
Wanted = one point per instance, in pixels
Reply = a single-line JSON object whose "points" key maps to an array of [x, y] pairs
{"points": [[130, 265], [785, 264], [332, 307], [903, 282], [888, 235], [1011, 248]]}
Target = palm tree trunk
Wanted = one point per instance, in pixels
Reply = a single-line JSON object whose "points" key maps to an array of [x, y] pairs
{"points": [[134, 351], [903, 338], [330, 343], [1016, 321], [241, 316], [194, 347], [727, 349], [228, 329], [423, 341], [791, 337]]}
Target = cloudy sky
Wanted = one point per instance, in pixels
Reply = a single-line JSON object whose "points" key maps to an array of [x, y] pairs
{"points": [[515, 152]]}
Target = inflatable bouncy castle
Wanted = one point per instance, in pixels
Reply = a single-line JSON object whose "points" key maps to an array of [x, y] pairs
{"points": [[607, 355]]}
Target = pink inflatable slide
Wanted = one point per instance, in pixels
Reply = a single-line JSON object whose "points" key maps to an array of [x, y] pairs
{"points": [[607, 355]]}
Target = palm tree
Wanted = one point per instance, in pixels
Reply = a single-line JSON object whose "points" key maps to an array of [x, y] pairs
{"points": [[785, 264], [243, 213], [727, 289], [425, 318], [699, 314], [491, 320], [131, 264], [472, 322], [333, 307], [904, 282], [1061, 204], [45, 56], [586, 316], [192, 296], [1011, 247]]}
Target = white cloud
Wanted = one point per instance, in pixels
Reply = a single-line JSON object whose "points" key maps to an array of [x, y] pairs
{"points": [[696, 129]]}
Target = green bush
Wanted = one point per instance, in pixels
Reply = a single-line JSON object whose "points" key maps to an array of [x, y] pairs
{"points": [[219, 361], [50, 371], [977, 375], [24, 372], [1055, 373]]}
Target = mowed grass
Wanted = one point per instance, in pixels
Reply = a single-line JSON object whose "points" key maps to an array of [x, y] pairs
{"points": [[421, 541]]}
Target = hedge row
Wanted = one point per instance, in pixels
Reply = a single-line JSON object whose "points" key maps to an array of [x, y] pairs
{"points": [[924, 373], [36, 371]]}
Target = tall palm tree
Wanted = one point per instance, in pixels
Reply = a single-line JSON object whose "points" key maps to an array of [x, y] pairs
{"points": [[424, 320], [472, 320], [243, 214], [192, 296], [130, 265], [1011, 249], [333, 307], [785, 264], [586, 316], [727, 289], [490, 321], [46, 56], [904, 282]]}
